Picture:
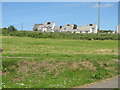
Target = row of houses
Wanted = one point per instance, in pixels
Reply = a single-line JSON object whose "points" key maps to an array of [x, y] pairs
{"points": [[51, 27], [73, 28]]}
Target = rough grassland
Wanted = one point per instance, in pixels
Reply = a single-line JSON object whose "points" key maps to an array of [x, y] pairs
{"points": [[56, 63]]}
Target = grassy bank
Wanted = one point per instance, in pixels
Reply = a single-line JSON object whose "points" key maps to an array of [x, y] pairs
{"points": [[47, 63]]}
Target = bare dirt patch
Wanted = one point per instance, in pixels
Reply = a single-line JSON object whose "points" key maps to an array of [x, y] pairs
{"points": [[106, 64], [23, 66], [88, 65], [41, 45], [4, 73], [109, 68], [18, 79], [82, 65], [40, 67], [104, 50], [75, 65], [101, 64]]}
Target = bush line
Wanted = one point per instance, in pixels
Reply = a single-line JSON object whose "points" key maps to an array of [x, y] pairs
{"points": [[61, 35]]}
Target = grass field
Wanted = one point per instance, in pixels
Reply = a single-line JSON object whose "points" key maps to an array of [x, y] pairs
{"points": [[56, 63]]}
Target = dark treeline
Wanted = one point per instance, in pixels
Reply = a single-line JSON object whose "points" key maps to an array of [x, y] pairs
{"points": [[60, 35]]}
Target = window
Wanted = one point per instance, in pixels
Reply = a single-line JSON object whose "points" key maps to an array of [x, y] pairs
{"points": [[68, 24], [64, 28], [48, 23], [75, 26], [60, 26], [90, 24], [80, 31]]}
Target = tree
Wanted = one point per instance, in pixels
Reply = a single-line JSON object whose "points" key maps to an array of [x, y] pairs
{"points": [[12, 28], [4, 28], [35, 29]]}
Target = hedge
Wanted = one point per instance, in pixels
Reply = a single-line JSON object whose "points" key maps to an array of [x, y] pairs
{"points": [[61, 35]]}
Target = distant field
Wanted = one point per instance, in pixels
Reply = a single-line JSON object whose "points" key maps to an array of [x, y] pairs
{"points": [[60, 63]]}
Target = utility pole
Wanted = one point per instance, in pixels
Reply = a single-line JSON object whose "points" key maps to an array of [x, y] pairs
{"points": [[98, 16], [22, 26]]}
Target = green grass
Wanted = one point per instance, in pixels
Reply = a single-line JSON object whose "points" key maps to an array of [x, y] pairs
{"points": [[56, 63]]}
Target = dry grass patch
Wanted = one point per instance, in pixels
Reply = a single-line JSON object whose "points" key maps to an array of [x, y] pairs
{"points": [[40, 45], [4, 73], [88, 65], [106, 65], [17, 79], [104, 50], [107, 51], [82, 65], [40, 67], [5, 36]]}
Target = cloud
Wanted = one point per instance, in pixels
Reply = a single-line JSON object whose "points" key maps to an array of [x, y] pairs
{"points": [[103, 5]]}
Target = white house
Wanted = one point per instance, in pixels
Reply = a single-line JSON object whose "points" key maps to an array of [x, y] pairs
{"points": [[45, 27]]}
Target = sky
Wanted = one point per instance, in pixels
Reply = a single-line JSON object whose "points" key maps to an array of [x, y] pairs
{"points": [[80, 13]]}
